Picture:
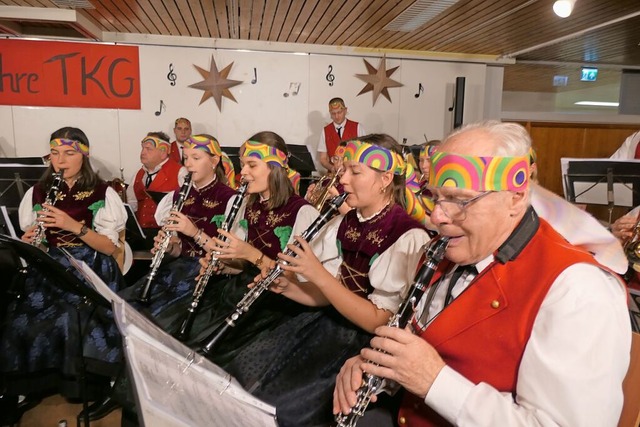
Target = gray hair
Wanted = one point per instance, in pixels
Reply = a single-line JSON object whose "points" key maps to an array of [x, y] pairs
{"points": [[512, 139]]}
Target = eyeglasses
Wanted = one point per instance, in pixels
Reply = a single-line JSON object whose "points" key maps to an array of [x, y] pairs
{"points": [[454, 209]]}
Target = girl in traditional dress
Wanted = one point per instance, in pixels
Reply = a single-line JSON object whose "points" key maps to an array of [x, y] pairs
{"points": [[369, 258], [272, 215], [204, 210], [40, 336]]}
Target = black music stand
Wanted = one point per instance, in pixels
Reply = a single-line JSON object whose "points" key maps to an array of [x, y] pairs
{"points": [[15, 180], [234, 156], [22, 160], [66, 280], [300, 159], [594, 181]]}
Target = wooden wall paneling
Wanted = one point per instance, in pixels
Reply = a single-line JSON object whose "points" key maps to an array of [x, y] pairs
{"points": [[220, 8], [279, 20], [186, 16], [267, 18], [307, 21], [257, 12], [385, 14], [350, 15], [245, 18], [150, 14], [552, 141], [200, 17], [164, 16], [293, 16], [369, 19], [330, 14]]}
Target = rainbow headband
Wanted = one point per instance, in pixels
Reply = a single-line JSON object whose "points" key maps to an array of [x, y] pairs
{"points": [[374, 156], [203, 143], [264, 152], [157, 143], [76, 145], [428, 150], [479, 173]]}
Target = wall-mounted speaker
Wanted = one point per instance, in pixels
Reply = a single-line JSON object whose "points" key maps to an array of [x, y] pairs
{"points": [[629, 92], [458, 104]]}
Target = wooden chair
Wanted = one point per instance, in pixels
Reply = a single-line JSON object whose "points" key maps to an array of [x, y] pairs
{"points": [[630, 416]]}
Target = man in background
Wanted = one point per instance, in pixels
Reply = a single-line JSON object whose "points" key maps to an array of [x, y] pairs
{"points": [[182, 131], [159, 173], [340, 129]]}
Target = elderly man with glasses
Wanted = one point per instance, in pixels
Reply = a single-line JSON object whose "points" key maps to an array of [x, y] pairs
{"points": [[523, 328]]}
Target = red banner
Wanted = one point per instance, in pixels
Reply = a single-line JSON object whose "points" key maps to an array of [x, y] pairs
{"points": [[59, 74]]}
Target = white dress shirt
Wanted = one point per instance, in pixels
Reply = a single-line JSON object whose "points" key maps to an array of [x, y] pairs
{"points": [[627, 150]]}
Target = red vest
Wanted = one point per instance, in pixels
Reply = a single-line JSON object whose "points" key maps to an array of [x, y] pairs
{"points": [[482, 334], [166, 180], [331, 138], [175, 153]]}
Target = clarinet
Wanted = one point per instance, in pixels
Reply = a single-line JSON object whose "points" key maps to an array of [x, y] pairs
{"points": [[212, 266], [259, 288], [164, 244], [371, 383], [51, 198]]}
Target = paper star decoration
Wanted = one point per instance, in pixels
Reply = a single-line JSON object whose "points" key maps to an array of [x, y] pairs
{"points": [[378, 81], [215, 84]]}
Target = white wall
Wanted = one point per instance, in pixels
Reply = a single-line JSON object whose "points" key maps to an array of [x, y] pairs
{"points": [[115, 134]]}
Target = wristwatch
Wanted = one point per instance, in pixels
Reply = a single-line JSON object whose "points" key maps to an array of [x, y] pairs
{"points": [[84, 230], [258, 262]]}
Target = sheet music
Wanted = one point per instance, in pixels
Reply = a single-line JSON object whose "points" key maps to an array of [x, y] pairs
{"points": [[189, 394], [175, 385]]}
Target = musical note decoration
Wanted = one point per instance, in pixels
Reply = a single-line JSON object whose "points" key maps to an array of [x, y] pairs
{"points": [[420, 90], [294, 88], [172, 77], [215, 85], [330, 77], [163, 107], [377, 80], [255, 76]]}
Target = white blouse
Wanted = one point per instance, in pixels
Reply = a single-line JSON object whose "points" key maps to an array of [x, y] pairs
{"points": [[109, 220], [391, 273]]}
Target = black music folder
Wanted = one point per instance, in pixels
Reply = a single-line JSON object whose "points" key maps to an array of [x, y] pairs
{"points": [[157, 196]]}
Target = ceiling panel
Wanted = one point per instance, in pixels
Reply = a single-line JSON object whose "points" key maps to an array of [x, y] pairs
{"points": [[522, 29]]}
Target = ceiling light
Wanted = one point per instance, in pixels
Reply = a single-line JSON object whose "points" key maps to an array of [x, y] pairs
{"points": [[563, 8], [597, 103]]}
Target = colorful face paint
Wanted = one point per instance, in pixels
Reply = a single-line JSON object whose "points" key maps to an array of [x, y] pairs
{"points": [[158, 143], [76, 145], [479, 173], [203, 143], [374, 156], [264, 152]]}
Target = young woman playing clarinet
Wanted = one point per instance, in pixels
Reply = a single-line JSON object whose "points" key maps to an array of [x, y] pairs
{"points": [[204, 209], [40, 336], [354, 273], [273, 214]]}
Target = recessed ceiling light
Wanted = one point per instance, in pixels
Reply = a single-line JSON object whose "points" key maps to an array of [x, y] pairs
{"points": [[563, 8]]}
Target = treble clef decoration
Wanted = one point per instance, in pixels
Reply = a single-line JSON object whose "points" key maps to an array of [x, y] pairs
{"points": [[330, 77], [172, 76]]}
